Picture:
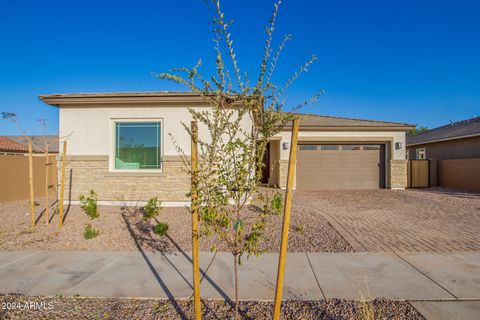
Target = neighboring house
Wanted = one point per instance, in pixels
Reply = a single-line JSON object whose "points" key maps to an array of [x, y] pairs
{"points": [[10, 146], [453, 151], [39, 142], [119, 145]]}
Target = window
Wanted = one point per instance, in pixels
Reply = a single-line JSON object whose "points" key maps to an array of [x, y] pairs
{"points": [[329, 147], [137, 145], [371, 147], [421, 154], [308, 147], [350, 147]]}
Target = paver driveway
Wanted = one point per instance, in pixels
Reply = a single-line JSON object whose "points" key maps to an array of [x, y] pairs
{"points": [[400, 220]]}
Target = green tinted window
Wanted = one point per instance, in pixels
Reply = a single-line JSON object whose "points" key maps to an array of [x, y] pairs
{"points": [[137, 145]]}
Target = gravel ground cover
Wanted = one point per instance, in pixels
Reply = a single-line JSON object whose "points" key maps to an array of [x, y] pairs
{"points": [[66, 308], [123, 229]]}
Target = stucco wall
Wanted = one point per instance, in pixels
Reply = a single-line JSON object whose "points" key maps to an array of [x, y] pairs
{"points": [[90, 151], [380, 136], [92, 132]]}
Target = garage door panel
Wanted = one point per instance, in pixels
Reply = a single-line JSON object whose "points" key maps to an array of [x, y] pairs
{"points": [[344, 167], [329, 179], [351, 179], [328, 161]]}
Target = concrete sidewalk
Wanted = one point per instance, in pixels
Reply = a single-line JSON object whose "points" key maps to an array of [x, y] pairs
{"points": [[308, 276]]}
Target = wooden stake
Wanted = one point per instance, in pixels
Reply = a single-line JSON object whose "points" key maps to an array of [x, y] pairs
{"points": [[30, 179], [62, 186], [286, 219], [46, 185], [195, 232]]}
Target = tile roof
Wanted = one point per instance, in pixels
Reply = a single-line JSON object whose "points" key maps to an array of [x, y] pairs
{"points": [[10, 145], [455, 130], [38, 142]]}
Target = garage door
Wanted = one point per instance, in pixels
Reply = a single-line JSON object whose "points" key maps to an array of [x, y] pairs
{"points": [[340, 166]]}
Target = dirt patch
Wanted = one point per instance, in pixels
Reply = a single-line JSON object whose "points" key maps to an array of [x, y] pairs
{"points": [[121, 308], [123, 229]]}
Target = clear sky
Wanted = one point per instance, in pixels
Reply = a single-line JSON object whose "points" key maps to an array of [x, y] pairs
{"points": [[414, 61]]}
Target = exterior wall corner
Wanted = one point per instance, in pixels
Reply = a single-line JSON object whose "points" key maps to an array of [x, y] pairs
{"points": [[398, 174]]}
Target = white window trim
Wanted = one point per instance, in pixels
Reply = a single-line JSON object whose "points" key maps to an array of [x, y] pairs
{"points": [[112, 143], [417, 153]]}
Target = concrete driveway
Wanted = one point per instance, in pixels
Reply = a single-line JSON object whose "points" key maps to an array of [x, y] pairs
{"points": [[426, 220]]}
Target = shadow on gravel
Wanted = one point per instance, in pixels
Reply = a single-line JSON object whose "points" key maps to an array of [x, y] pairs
{"points": [[142, 234], [138, 243]]}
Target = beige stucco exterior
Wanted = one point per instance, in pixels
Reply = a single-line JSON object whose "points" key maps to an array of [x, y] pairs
{"points": [[91, 140], [396, 175], [89, 123], [91, 129]]}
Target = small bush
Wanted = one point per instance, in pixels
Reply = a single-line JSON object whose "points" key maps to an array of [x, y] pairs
{"points": [[152, 208], [161, 229], [277, 203], [90, 232], [89, 204]]}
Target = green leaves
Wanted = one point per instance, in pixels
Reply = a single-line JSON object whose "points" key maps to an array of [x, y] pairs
{"points": [[241, 120], [238, 226], [152, 208], [161, 229], [90, 233], [89, 204], [277, 204]]}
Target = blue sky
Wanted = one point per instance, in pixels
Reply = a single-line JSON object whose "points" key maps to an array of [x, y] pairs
{"points": [[406, 61]]}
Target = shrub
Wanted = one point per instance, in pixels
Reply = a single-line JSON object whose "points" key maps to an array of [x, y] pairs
{"points": [[272, 204], [89, 204], [277, 203], [90, 232], [152, 208], [161, 229]]}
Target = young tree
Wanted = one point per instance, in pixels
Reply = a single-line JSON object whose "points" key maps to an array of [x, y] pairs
{"points": [[243, 117]]}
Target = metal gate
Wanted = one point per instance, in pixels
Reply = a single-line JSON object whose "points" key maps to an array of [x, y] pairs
{"points": [[418, 173]]}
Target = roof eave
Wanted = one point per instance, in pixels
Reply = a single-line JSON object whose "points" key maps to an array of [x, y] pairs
{"points": [[353, 128], [95, 100], [445, 139]]}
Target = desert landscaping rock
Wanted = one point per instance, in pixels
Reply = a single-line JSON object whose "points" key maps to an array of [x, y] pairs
{"points": [[117, 308], [123, 229]]}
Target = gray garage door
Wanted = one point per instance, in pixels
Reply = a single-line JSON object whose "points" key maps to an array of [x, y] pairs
{"points": [[340, 166]]}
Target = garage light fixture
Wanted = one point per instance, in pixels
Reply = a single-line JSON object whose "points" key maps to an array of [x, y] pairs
{"points": [[286, 145], [398, 145]]}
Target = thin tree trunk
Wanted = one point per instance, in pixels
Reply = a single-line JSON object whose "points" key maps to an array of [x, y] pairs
{"points": [[46, 184], [235, 266], [30, 179]]}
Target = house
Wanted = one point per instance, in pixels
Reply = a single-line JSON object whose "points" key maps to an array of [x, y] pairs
{"points": [[9, 146], [120, 146], [39, 142], [453, 151], [19, 144]]}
